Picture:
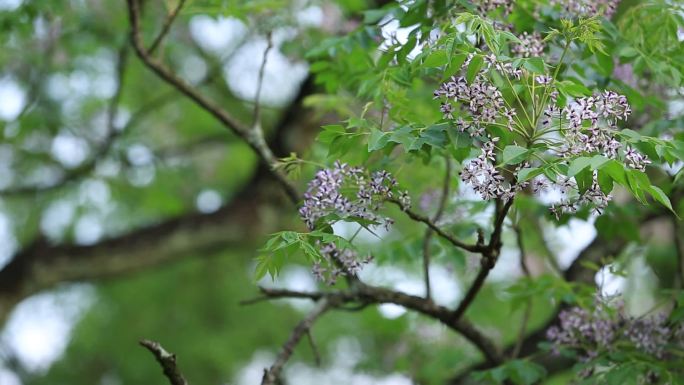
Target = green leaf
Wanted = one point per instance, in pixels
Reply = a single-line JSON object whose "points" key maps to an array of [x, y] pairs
{"points": [[528, 173], [435, 135], [660, 196], [514, 154], [378, 139], [525, 372], [573, 89], [605, 182], [597, 161], [331, 132], [577, 165], [474, 67], [535, 65], [616, 171], [436, 59]]}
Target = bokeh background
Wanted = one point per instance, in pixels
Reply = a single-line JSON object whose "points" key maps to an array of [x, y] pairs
{"points": [[76, 168]]}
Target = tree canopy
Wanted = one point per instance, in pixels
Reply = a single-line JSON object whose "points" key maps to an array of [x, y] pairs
{"points": [[350, 191]]}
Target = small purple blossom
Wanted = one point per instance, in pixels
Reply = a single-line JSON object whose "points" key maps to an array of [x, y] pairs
{"points": [[587, 8], [324, 195], [606, 326], [531, 45], [336, 262]]}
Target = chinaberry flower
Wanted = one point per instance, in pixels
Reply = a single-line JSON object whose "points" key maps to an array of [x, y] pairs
{"points": [[486, 6], [635, 159], [531, 45], [324, 195], [336, 262], [606, 326], [586, 8]]}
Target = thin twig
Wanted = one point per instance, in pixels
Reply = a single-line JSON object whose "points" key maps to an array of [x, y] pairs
{"points": [[677, 229], [427, 221], [253, 138], [166, 27], [256, 123], [167, 361], [528, 305], [314, 348], [429, 232], [103, 148], [269, 294], [273, 373]]}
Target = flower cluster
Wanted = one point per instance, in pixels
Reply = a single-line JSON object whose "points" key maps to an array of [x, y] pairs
{"points": [[531, 45], [324, 195], [483, 105], [586, 126], [591, 333], [587, 8], [593, 197], [481, 174], [336, 263], [589, 126], [480, 99], [486, 6]]}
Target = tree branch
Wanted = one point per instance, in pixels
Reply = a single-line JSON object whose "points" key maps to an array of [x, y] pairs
{"points": [[107, 143], [256, 122], [528, 306], [167, 361], [432, 225], [40, 265], [429, 232], [254, 138], [490, 254], [170, 18], [365, 295], [272, 375]]}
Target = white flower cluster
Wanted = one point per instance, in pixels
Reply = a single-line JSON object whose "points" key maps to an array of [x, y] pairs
{"points": [[531, 45], [486, 6], [336, 263], [324, 195], [587, 8], [480, 99], [586, 126]]}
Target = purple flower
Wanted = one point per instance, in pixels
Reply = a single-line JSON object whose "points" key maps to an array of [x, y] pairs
{"points": [[324, 195]]}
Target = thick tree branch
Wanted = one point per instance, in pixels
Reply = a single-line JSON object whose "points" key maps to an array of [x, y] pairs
{"points": [[272, 375], [167, 361], [490, 254], [254, 138], [364, 295]]}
